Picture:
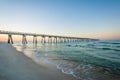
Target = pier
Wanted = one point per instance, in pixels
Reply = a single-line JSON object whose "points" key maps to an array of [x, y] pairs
{"points": [[51, 38]]}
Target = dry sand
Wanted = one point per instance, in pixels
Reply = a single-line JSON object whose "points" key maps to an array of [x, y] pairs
{"points": [[16, 66]]}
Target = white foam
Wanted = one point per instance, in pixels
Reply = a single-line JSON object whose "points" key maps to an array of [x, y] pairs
{"points": [[80, 71]]}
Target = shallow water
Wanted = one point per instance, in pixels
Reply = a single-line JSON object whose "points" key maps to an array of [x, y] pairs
{"points": [[98, 60]]}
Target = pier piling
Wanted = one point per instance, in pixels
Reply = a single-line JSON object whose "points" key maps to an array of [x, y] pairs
{"points": [[10, 40], [24, 40]]}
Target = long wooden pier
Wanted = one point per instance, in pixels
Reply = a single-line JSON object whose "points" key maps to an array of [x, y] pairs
{"points": [[51, 38]]}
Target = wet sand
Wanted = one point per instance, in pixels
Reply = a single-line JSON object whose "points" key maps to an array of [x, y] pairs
{"points": [[16, 66]]}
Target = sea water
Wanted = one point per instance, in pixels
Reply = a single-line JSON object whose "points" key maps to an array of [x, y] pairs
{"points": [[92, 60]]}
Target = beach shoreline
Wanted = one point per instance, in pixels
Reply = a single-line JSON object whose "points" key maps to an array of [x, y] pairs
{"points": [[14, 65]]}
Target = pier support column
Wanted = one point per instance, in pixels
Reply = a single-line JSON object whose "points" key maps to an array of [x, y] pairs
{"points": [[43, 39], [56, 40], [65, 40], [24, 40], [72, 40], [50, 39], [75, 40], [68, 40], [10, 40], [34, 39], [60, 40]]}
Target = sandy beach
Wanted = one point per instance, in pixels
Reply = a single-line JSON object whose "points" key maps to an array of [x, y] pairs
{"points": [[16, 66]]}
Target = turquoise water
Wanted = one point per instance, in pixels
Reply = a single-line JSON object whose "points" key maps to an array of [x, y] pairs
{"points": [[97, 60]]}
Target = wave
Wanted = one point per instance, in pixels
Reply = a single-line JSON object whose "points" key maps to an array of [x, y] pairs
{"points": [[83, 46], [118, 46], [75, 46], [105, 42], [77, 70], [115, 43], [108, 49], [83, 71], [110, 42]]}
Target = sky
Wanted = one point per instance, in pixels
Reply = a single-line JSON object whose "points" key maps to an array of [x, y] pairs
{"points": [[80, 18]]}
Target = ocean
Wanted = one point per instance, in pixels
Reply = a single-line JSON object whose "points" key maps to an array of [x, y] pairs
{"points": [[85, 60]]}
